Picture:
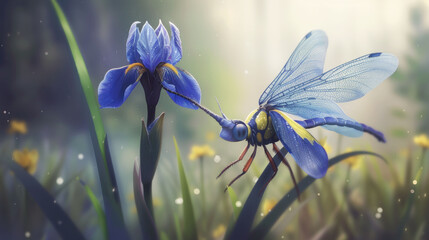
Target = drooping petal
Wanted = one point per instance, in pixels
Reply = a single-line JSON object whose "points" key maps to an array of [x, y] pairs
{"points": [[117, 86], [181, 82], [149, 48], [133, 37], [176, 45]]}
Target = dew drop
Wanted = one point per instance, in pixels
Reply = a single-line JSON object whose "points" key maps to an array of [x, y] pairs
{"points": [[60, 181], [217, 159], [196, 191], [238, 204], [178, 201]]}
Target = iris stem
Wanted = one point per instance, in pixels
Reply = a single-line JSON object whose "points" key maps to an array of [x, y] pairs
{"points": [[147, 190]]}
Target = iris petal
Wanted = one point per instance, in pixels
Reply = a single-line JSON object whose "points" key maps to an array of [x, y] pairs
{"points": [[149, 48], [133, 37], [183, 83], [176, 45], [164, 41], [117, 86]]}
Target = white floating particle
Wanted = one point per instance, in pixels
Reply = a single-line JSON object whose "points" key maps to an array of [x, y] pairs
{"points": [[113, 189], [196, 191], [4, 112], [412, 191], [378, 215], [399, 200], [60, 181], [80, 156], [424, 195], [246, 72], [46, 53], [380, 210], [238, 204], [27, 234], [217, 159], [262, 214], [318, 194], [55, 201], [178, 201], [60, 222], [415, 182]]}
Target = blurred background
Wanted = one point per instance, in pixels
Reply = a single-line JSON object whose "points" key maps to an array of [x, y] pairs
{"points": [[234, 49]]}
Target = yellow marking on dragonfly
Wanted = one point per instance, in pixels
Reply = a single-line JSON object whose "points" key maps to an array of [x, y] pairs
{"points": [[300, 130], [249, 131], [259, 137], [171, 67], [134, 65], [261, 120], [269, 132], [249, 117]]}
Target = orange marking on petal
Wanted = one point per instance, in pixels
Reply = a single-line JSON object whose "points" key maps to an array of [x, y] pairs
{"points": [[134, 65]]}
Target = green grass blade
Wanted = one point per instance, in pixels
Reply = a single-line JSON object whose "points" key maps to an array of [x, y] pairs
{"points": [[114, 217], [97, 207], [54, 213], [190, 229], [85, 81], [261, 230], [233, 198]]}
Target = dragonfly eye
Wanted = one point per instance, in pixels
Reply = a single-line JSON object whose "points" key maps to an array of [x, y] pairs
{"points": [[240, 131]]}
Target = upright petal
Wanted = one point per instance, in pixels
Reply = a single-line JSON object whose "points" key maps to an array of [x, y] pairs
{"points": [[164, 41], [183, 83], [176, 45], [149, 48], [133, 37], [117, 86]]}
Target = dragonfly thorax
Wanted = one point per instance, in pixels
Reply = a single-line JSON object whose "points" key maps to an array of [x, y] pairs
{"points": [[260, 128]]}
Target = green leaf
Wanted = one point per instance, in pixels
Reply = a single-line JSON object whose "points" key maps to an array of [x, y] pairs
{"points": [[147, 224], [52, 210], [261, 230], [190, 229], [97, 206], [150, 148], [233, 198], [112, 205]]}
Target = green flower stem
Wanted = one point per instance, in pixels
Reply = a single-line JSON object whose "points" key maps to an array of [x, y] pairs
{"points": [[203, 197], [411, 197]]}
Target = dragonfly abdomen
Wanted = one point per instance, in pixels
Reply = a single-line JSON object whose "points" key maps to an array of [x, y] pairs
{"points": [[315, 122]]}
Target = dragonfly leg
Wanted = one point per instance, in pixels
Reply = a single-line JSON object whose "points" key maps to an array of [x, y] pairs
{"points": [[239, 159], [246, 167], [273, 166], [276, 149]]}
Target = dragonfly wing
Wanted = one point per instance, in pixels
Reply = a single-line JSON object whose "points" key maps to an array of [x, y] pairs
{"points": [[304, 148], [344, 83], [306, 62], [315, 108]]}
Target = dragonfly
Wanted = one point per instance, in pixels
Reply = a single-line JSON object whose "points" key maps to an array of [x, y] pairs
{"points": [[304, 90]]}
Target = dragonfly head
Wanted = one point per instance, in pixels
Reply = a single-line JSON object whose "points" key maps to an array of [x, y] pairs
{"points": [[233, 130]]}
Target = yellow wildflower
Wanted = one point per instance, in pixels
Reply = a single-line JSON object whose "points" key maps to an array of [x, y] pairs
{"points": [[17, 127], [210, 136], [354, 160], [421, 140], [157, 202], [200, 151], [219, 232], [326, 146], [268, 205], [27, 159]]}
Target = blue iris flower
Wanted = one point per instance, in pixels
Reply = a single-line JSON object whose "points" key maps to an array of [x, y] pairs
{"points": [[152, 57]]}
